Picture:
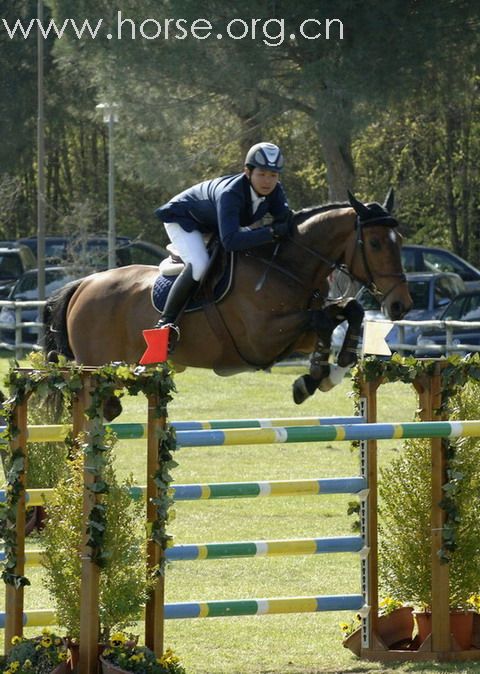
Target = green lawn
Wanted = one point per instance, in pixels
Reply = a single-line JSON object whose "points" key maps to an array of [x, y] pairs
{"points": [[274, 644]]}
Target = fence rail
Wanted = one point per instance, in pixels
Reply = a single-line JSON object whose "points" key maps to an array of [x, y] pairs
{"points": [[19, 345], [402, 346]]}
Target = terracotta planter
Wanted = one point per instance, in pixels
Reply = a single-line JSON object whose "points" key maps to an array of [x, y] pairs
{"points": [[461, 627], [394, 630], [74, 650], [110, 668], [61, 668]]}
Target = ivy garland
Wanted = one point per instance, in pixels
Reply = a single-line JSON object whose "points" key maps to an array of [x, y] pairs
{"points": [[107, 381], [455, 373]]}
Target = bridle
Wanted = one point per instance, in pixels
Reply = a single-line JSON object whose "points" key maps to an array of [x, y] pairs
{"points": [[360, 225]]}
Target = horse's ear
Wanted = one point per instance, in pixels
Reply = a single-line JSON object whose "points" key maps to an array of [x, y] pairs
{"points": [[361, 210], [389, 199]]}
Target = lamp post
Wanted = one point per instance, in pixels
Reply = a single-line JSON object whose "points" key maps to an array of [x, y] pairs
{"points": [[40, 160], [110, 116]]}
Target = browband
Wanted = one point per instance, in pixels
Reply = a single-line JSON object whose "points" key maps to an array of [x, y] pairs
{"points": [[387, 220]]}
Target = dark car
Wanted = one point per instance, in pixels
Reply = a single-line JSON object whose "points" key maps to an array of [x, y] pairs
{"points": [[431, 293], [26, 289], [14, 261], [145, 252], [429, 258], [464, 307], [92, 253]]}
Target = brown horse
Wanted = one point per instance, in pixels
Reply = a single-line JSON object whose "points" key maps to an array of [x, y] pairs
{"points": [[277, 304]]}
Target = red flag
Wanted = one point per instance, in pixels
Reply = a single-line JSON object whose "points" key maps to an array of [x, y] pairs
{"points": [[157, 345]]}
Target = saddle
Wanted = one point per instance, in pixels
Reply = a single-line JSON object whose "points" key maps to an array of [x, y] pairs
{"points": [[214, 288]]}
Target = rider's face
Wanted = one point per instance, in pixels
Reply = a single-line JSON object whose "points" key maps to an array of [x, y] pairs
{"points": [[262, 180]]}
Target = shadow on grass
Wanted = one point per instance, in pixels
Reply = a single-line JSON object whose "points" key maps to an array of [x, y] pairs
{"points": [[429, 667]]}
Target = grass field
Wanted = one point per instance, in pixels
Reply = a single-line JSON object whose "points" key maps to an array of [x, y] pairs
{"points": [[272, 644]]}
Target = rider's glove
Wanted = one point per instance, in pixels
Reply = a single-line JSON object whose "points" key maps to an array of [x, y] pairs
{"points": [[283, 227]]}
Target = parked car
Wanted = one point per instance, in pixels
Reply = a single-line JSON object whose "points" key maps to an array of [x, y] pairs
{"points": [[14, 261], [145, 252], [464, 307], [92, 253], [431, 293], [26, 288], [429, 258]]}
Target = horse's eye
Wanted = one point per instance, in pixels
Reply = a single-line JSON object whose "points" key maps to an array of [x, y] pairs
{"points": [[375, 244]]}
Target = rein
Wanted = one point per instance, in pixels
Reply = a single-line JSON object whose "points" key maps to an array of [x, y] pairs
{"points": [[345, 269]]}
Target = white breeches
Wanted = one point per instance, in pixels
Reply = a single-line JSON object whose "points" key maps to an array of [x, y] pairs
{"points": [[190, 246]]}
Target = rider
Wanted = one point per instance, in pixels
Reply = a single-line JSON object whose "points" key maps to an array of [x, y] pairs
{"points": [[229, 206]]}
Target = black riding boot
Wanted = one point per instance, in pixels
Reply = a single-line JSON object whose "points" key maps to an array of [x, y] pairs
{"points": [[182, 289]]}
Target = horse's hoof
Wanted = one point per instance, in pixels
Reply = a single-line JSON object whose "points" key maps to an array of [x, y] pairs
{"points": [[347, 359], [112, 408], [52, 357], [300, 391]]}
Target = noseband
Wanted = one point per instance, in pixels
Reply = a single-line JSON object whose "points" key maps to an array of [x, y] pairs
{"points": [[387, 221]]}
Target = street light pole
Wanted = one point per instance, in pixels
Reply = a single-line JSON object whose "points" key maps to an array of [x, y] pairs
{"points": [[110, 116], [40, 160]]}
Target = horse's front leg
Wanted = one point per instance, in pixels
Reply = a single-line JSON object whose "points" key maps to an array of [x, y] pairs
{"points": [[323, 323], [324, 375], [351, 311]]}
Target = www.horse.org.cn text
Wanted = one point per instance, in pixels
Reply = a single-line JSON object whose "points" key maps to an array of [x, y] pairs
{"points": [[272, 32]]}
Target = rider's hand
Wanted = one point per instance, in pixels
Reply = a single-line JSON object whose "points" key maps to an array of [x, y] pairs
{"points": [[283, 227]]}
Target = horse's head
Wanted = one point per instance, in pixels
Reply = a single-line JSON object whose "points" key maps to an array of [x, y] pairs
{"points": [[374, 255]]}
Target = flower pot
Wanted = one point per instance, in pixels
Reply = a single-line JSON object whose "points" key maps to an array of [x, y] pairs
{"points": [[110, 668], [74, 650], [394, 629], [61, 668], [461, 626]]}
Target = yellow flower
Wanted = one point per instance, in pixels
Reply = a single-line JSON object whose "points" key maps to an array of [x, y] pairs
{"points": [[46, 631], [16, 640], [27, 664], [14, 666], [62, 656], [46, 641], [117, 639], [474, 601]]}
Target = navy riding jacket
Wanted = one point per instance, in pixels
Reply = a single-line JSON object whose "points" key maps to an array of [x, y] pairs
{"points": [[224, 205]]}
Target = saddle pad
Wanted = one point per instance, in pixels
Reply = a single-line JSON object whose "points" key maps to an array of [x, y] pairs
{"points": [[162, 285]]}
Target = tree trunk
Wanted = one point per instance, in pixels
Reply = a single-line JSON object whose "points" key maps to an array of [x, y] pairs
{"points": [[450, 133], [334, 130]]}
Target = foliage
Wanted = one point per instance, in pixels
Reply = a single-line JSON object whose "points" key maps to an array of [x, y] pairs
{"points": [[123, 588], [46, 460], [39, 655], [194, 116], [405, 529], [154, 382], [125, 654]]}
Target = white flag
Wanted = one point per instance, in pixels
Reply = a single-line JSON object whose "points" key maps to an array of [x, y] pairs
{"points": [[374, 333]]}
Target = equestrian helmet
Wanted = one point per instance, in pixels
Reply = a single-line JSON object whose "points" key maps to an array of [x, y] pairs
{"points": [[265, 156]]}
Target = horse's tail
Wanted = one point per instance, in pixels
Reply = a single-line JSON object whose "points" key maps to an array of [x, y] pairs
{"points": [[55, 321]]}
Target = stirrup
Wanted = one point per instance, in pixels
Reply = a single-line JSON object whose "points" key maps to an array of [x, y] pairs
{"points": [[174, 335]]}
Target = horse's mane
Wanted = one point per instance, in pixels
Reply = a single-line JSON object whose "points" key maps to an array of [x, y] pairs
{"points": [[305, 213]]}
